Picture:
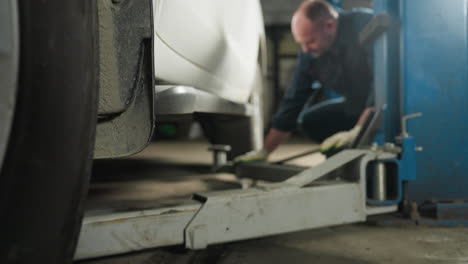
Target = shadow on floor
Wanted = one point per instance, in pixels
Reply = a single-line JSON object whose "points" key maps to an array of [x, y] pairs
{"points": [[118, 170], [141, 184]]}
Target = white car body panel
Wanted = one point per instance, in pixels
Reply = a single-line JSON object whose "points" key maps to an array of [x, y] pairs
{"points": [[9, 61], [211, 45]]}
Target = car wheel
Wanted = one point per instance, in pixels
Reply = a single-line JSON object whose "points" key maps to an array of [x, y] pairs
{"points": [[45, 174], [240, 132]]}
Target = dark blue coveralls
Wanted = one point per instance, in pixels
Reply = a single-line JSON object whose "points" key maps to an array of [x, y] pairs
{"points": [[329, 93]]}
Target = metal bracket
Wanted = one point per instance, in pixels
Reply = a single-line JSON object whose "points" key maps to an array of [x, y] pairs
{"points": [[219, 155], [404, 120]]}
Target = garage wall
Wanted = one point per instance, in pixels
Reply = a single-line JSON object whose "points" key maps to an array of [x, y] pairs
{"points": [[348, 4], [279, 11]]}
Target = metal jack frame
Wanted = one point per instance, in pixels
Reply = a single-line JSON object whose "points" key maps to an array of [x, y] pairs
{"points": [[333, 193]]}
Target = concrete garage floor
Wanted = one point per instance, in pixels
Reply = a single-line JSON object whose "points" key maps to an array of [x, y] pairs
{"points": [[167, 173]]}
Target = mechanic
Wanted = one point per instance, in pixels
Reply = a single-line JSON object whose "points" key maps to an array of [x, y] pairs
{"points": [[330, 95]]}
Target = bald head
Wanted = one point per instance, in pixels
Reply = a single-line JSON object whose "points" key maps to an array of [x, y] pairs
{"points": [[317, 10], [314, 26]]}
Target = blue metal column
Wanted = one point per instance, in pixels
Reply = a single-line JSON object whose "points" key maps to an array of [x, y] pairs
{"points": [[387, 71], [424, 68], [388, 93], [434, 64]]}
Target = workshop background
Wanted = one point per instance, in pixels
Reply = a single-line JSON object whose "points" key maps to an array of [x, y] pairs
{"points": [[282, 49], [382, 240], [399, 197]]}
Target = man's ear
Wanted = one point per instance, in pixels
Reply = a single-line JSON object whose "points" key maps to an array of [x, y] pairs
{"points": [[329, 25]]}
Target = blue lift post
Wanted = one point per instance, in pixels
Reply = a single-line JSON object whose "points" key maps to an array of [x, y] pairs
{"points": [[421, 65]]}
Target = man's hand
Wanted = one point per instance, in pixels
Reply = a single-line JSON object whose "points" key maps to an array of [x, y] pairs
{"points": [[340, 139], [252, 156]]}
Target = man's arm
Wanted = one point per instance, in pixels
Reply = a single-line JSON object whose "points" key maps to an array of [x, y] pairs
{"points": [[274, 138], [285, 119], [300, 90], [364, 115]]}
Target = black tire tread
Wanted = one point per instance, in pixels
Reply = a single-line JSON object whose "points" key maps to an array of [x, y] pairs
{"points": [[45, 175]]}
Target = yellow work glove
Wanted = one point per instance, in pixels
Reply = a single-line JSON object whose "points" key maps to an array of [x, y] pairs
{"points": [[340, 139], [252, 156]]}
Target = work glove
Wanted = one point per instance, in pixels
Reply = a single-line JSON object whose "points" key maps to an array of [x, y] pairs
{"points": [[340, 139], [252, 156]]}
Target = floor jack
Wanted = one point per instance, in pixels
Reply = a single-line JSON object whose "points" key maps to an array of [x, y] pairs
{"points": [[347, 188]]}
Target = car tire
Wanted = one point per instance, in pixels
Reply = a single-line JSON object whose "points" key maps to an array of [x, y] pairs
{"points": [[45, 174]]}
